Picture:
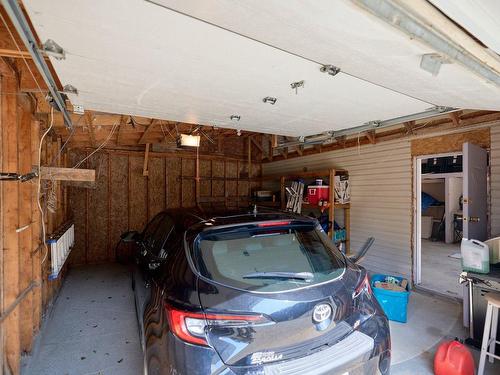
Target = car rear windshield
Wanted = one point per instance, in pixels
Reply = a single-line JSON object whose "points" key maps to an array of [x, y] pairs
{"points": [[268, 259]]}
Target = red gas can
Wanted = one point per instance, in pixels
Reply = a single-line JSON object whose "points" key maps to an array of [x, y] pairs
{"points": [[453, 358]]}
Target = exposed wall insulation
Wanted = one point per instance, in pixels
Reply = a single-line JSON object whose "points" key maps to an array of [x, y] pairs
{"points": [[381, 198], [124, 199], [495, 179]]}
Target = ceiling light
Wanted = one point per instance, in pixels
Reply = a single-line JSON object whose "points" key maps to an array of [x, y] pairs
{"points": [[235, 117], [270, 100], [189, 140], [330, 69]]}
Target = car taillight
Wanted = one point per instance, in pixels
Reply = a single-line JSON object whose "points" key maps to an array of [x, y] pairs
{"points": [[363, 287], [191, 326]]}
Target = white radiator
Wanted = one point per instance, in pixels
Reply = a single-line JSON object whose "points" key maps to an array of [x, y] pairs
{"points": [[60, 244]]}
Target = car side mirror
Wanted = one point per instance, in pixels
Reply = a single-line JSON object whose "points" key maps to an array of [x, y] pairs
{"points": [[130, 236], [358, 257]]}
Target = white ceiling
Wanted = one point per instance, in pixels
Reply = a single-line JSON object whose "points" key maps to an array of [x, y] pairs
{"points": [[139, 58], [479, 17]]}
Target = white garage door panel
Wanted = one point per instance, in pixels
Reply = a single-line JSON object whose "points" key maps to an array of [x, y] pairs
{"points": [[339, 33], [146, 60], [479, 17]]}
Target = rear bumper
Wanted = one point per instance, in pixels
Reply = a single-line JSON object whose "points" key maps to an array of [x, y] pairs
{"points": [[353, 355]]}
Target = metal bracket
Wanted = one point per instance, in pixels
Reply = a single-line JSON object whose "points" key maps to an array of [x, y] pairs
{"points": [[270, 100], [53, 49], [295, 85], [70, 89], [330, 69]]}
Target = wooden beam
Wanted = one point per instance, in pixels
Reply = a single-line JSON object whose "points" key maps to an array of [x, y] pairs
{"points": [[145, 171], [144, 137], [89, 119], [123, 122], [371, 136], [274, 141], [300, 150], [455, 118], [14, 53], [67, 174], [409, 126], [10, 222], [257, 144]]}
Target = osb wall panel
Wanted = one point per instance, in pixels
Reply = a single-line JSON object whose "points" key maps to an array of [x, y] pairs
{"points": [[78, 204], [138, 194], [97, 210], [218, 172], [124, 199], [156, 188], [450, 142], [118, 199], [173, 173]]}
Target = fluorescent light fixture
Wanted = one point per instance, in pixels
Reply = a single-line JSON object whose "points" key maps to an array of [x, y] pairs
{"points": [[189, 140]]}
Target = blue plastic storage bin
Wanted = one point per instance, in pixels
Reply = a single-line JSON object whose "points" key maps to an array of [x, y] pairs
{"points": [[393, 303]]}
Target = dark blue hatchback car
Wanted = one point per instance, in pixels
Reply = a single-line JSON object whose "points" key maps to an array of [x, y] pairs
{"points": [[253, 293]]}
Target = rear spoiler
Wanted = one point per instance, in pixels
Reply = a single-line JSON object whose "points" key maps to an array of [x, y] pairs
{"points": [[358, 257]]}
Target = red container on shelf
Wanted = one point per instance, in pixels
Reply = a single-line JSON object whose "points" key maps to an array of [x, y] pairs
{"points": [[315, 193], [453, 358]]}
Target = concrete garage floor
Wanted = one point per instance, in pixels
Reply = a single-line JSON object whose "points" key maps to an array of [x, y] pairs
{"points": [[440, 271], [92, 329]]}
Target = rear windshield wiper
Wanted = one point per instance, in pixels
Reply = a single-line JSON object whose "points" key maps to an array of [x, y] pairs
{"points": [[306, 276]]}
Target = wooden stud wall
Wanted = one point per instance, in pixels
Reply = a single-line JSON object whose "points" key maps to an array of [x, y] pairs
{"points": [[124, 199], [25, 290]]}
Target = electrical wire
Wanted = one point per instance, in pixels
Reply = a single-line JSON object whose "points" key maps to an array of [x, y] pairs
{"points": [[44, 231], [115, 126]]}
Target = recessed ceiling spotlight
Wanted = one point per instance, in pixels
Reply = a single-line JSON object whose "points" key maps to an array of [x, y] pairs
{"points": [[270, 100], [330, 69], [235, 117]]}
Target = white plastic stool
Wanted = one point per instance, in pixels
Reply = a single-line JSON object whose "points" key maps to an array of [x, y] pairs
{"points": [[490, 331]]}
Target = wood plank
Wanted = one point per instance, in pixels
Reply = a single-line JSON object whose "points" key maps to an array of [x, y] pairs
{"points": [[67, 174], [35, 232], [145, 135], [123, 123], [25, 221], [10, 219], [145, 171], [89, 119]]}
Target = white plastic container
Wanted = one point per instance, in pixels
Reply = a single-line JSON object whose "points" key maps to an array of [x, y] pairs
{"points": [[475, 256], [494, 245]]}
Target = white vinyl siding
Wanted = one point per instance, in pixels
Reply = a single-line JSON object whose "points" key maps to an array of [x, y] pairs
{"points": [[495, 179], [381, 190]]}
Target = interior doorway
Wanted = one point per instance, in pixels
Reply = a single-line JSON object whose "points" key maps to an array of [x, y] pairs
{"points": [[439, 222], [451, 203]]}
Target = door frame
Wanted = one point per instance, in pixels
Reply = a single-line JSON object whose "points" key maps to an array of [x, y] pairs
{"points": [[417, 212]]}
